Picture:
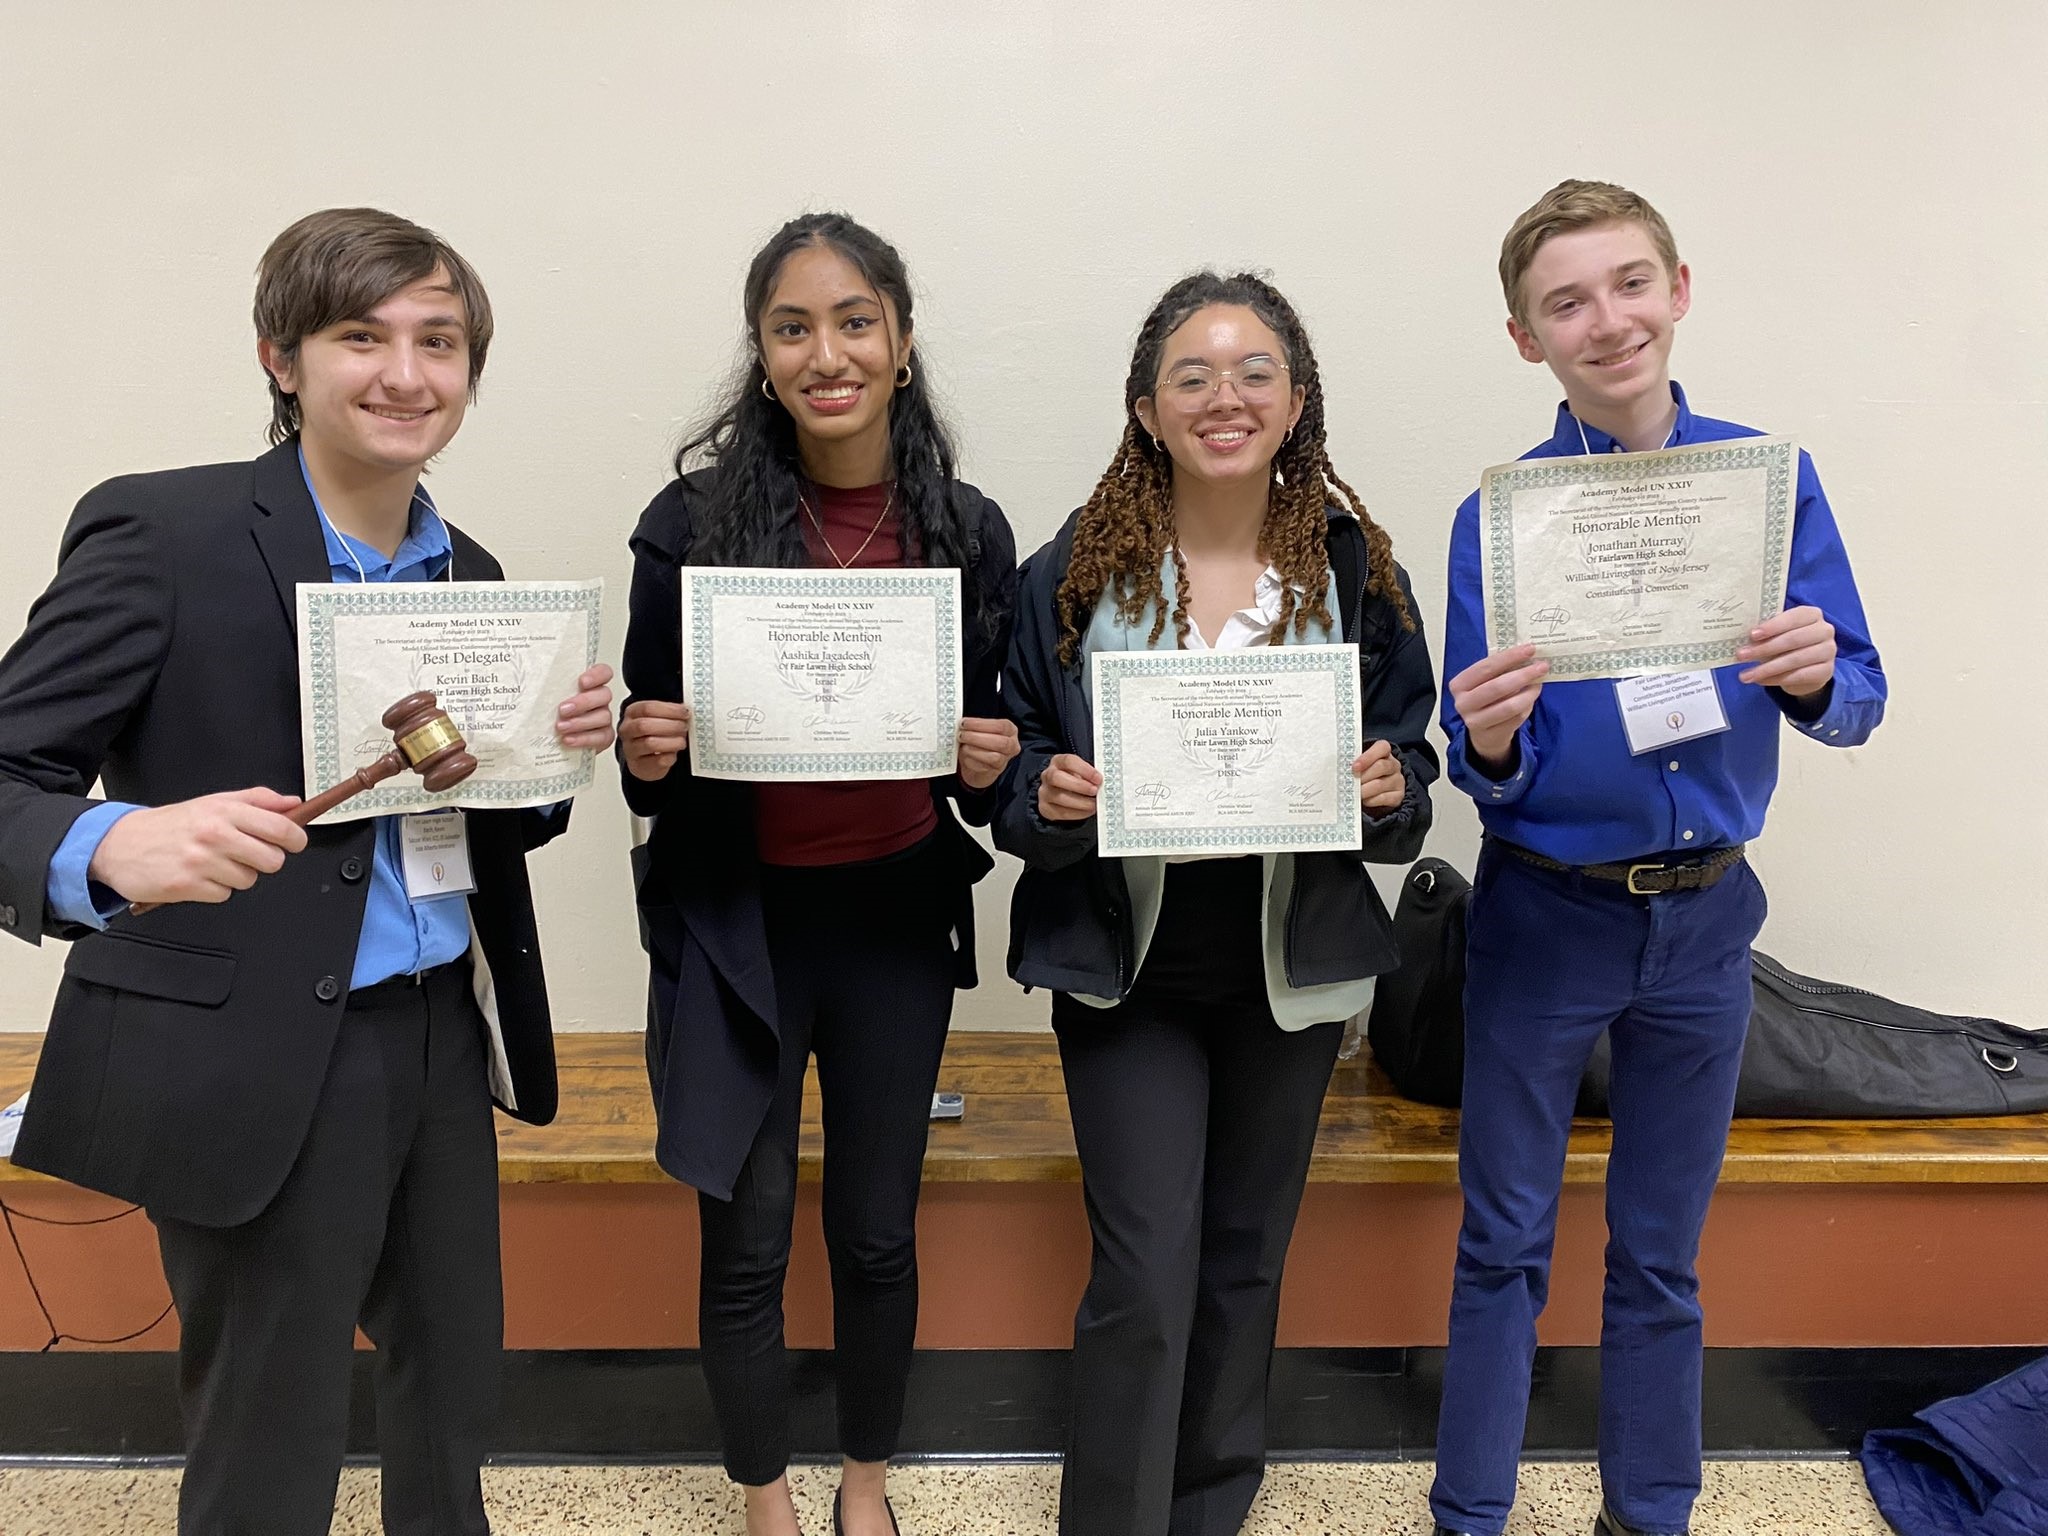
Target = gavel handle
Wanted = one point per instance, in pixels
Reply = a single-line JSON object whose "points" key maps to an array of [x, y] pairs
{"points": [[307, 811]]}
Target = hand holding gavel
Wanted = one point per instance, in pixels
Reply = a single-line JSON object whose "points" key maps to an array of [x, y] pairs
{"points": [[209, 848]]}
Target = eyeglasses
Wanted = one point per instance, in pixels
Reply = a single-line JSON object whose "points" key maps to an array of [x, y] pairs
{"points": [[1258, 380]]}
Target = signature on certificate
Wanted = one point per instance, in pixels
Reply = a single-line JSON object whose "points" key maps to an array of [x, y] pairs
{"points": [[902, 719], [1547, 622], [745, 717], [1722, 607], [1153, 796], [1304, 795]]}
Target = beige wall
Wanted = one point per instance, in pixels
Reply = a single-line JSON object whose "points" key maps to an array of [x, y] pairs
{"points": [[1862, 191]]}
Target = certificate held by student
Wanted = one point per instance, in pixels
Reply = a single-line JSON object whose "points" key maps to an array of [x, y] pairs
{"points": [[822, 675], [1220, 753], [497, 654], [1632, 564]]}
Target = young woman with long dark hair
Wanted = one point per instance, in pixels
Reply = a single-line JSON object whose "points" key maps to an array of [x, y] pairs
{"points": [[787, 920], [1199, 1004]]}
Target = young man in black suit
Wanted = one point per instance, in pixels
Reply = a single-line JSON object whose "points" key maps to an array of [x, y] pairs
{"points": [[288, 1061]]}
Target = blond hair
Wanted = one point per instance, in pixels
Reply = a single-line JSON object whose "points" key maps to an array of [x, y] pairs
{"points": [[1570, 206]]}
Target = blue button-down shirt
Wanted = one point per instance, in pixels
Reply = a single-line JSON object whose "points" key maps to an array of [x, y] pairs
{"points": [[400, 936], [1576, 793]]}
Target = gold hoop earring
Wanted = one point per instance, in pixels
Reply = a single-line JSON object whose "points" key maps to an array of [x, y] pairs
{"points": [[904, 376], [1287, 437], [768, 389]]}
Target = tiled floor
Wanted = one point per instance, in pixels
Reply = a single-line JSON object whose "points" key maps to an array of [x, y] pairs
{"points": [[1804, 1498]]}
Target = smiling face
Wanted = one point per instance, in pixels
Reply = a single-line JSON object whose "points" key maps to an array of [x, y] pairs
{"points": [[1223, 400], [1600, 311], [384, 390], [831, 347]]}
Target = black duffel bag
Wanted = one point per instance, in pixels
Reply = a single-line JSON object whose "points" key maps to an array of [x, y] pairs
{"points": [[1816, 1049], [1820, 1050]]}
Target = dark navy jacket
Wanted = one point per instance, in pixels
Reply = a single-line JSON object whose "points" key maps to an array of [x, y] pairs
{"points": [[712, 1035], [1070, 926]]}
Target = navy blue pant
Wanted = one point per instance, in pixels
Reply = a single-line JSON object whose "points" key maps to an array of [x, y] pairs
{"points": [[1553, 960]]}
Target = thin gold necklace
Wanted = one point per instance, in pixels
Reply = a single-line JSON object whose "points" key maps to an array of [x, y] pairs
{"points": [[888, 505]]}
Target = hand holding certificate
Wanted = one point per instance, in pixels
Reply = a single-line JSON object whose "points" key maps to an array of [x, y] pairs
{"points": [[1630, 564], [821, 675], [1227, 752], [501, 655]]}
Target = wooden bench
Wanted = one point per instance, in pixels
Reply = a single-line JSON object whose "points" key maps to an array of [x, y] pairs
{"points": [[1823, 1233], [1016, 1129]]}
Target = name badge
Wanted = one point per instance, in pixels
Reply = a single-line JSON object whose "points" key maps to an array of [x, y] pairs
{"points": [[436, 848], [1663, 711]]}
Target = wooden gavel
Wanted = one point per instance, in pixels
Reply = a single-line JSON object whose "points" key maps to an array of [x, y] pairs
{"points": [[424, 739]]}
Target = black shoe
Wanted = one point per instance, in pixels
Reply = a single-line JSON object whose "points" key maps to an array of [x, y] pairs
{"points": [[1445, 1530], [840, 1530], [1608, 1523]]}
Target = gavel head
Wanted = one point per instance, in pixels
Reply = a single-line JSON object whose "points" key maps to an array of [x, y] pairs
{"points": [[428, 741]]}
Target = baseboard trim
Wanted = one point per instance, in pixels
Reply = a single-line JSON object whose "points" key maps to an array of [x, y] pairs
{"points": [[638, 1406]]}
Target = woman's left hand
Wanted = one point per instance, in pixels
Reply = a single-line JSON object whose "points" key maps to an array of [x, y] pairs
{"points": [[986, 747], [1381, 784]]}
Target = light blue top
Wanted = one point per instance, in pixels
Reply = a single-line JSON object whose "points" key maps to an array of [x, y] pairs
{"points": [[400, 936], [1145, 876]]}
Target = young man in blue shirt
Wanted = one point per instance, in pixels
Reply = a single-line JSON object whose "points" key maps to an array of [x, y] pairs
{"points": [[269, 1037], [1612, 896]]}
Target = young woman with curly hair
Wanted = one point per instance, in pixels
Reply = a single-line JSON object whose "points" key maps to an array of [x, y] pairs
{"points": [[784, 921], [1199, 1004]]}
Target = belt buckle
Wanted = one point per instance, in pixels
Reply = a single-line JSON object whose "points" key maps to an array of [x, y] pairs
{"points": [[1633, 888]]}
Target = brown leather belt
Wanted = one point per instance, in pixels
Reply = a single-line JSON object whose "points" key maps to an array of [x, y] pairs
{"points": [[1650, 877]]}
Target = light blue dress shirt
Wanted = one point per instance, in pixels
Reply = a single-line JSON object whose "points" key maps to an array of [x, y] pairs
{"points": [[400, 936]]}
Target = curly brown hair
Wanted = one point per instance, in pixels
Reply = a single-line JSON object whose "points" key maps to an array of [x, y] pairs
{"points": [[1126, 529]]}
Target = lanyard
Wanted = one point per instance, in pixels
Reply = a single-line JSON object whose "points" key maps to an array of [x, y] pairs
{"points": [[349, 549], [1669, 439], [419, 499]]}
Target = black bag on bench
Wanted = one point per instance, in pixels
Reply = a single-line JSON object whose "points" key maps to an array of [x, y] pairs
{"points": [[1816, 1049], [1417, 1025], [1820, 1050]]}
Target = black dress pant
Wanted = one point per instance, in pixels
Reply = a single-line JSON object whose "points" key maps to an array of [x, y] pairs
{"points": [[864, 974], [1195, 1115], [389, 1219]]}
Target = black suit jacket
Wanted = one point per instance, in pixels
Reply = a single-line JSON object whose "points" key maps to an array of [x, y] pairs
{"points": [[187, 1046]]}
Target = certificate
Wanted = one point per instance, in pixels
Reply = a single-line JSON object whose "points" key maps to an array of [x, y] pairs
{"points": [[1226, 752], [821, 675], [500, 656], [1629, 564]]}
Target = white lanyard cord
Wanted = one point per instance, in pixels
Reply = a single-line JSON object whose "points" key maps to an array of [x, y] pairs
{"points": [[448, 571], [1669, 439]]}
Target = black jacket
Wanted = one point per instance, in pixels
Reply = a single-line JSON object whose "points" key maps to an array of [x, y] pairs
{"points": [[712, 1035], [187, 1046], [1070, 920]]}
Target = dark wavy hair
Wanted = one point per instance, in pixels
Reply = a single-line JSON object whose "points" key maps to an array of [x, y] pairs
{"points": [[1126, 528], [750, 516]]}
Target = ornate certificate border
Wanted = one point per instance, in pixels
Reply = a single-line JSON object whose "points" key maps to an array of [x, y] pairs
{"points": [[322, 604], [702, 584], [1777, 456], [1117, 838]]}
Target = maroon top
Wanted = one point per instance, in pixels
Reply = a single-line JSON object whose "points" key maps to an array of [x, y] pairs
{"points": [[814, 824]]}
